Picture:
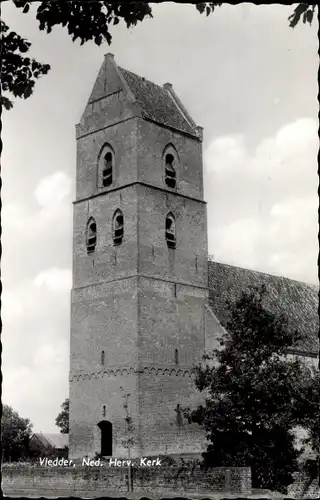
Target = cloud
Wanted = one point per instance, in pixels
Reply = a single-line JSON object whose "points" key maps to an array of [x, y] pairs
{"points": [[35, 338], [55, 280], [264, 214], [297, 137], [29, 241], [36, 301], [53, 189], [26, 388]]}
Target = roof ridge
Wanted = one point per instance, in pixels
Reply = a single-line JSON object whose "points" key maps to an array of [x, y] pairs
{"points": [[141, 77], [265, 273], [180, 107]]}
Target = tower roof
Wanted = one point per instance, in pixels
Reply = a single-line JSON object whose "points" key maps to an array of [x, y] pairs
{"points": [[156, 103], [159, 104]]}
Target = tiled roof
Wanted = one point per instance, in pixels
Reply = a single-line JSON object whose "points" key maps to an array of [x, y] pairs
{"points": [[54, 440], [299, 300], [156, 103]]}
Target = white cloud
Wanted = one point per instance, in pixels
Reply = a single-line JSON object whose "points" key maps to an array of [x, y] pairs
{"points": [[54, 279], [36, 318], [225, 154], [36, 301], [297, 137], [29, 241], [53, 189], [264, 214], [26, 389], [237, 242]]}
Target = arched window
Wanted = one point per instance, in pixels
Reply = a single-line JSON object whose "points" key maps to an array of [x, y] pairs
{"points": [[171, 231], [171, 162], [106, 163], [102, 358], [117, 227], [170, 172], [106, 438], [107, 169], [91, 235], [104, 410], [176, 356]]}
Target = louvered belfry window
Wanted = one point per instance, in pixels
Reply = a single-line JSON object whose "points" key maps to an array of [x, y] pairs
{"points": [[171, 231], [91, 235], [107, 170], [118, 227], [170, 172]]}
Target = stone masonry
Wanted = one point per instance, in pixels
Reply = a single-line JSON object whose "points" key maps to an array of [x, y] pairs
{"points": [[141, 302]]}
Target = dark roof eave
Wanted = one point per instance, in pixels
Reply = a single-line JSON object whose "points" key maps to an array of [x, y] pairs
{"points": [[300, 300], [175, 129]]}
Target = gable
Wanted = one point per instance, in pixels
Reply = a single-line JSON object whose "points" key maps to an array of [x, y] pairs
{"points": [[38, 439], [298, 300], [107, 82], [110, 101], [119, 94], [50, 440], [58, 440]]}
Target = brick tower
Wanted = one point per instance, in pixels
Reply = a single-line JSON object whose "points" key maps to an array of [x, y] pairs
{"points": [[139, 269]]}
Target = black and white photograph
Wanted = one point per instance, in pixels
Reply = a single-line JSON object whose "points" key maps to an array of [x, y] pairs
{"points": [[159, 266]]}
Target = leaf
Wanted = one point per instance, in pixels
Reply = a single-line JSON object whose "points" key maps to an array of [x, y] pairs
{"points": [[294, 18], [309, 16], [201, 7], [6, 103]]}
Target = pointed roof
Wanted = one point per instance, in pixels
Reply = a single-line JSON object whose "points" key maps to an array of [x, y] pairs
{"points": [[153, 102], [298, 300], [159, 104], [52, 440]]}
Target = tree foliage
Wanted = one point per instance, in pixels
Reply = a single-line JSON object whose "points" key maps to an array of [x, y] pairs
{"points": [[62, 419], [15, 435], [304, 11], [128, 442], [308, 408], [85, 21], [252, 393], [18, 72]]}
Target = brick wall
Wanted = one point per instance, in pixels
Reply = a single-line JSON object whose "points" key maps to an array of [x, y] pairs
{"points": [[160, 479], [69, 480], [140, 303], [152, 140], [235, 480]]}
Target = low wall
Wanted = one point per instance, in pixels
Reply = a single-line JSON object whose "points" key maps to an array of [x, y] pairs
{"points": [[156, 479], [233, 479]]}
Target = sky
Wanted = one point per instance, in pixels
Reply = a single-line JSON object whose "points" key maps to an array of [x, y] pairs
{"points": [[245, 76]]}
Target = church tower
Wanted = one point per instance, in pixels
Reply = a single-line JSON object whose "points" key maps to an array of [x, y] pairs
{"points": [[139, 270]]}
